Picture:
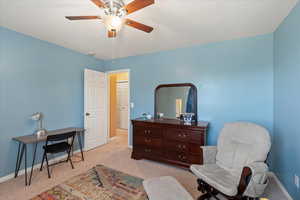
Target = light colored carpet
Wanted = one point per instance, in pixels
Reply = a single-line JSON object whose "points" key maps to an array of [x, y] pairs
{"points": [[116, 155]]}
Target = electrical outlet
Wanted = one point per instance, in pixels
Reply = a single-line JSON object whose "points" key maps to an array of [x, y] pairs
{"points": [[296, 179]]}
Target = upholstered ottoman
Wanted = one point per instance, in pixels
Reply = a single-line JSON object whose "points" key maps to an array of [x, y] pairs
{"points": [[165, 188]]}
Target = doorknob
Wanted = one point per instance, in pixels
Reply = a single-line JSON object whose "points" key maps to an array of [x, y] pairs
{"points": [[87, 114]]}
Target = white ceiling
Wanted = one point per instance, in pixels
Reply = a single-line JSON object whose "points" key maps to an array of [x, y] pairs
{"points": [[177, 23]]}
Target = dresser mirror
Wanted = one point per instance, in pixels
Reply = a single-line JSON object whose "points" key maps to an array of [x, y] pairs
{"points": [[172, 101]]}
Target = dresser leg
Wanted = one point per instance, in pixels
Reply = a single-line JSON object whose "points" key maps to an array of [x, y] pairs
{"points": [[136, 157]]}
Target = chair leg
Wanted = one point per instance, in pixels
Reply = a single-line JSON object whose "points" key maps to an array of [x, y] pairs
{"points": [[69, 159], [49, 176], [238, 197], [209, 192], [205, 196], [41, 168], [71, 163]]}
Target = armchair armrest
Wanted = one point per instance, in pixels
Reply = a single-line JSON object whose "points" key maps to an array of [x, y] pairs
{"points": [[209, 154], [253, 179]]}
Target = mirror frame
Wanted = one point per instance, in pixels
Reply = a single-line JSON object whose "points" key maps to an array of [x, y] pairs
{"points": [[194, 90]]}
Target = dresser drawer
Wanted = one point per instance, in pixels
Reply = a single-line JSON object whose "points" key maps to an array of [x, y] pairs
{"points": [[148, 151], [148, 132], [198, 137], [177, 134], [147, 141], [177, 156], [176, 146]]}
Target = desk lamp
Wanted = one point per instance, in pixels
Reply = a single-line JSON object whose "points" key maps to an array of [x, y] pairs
{"points": [[39, 117]]}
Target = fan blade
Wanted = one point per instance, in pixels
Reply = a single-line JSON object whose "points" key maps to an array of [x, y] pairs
{"points": [[99, 3], [138, 25], [82, 17], [137, 5], [112, 34]]}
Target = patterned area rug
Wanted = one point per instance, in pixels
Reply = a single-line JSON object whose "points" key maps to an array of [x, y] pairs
{"points": [[99, 183]]}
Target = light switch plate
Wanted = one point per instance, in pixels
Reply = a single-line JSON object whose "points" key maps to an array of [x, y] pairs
{"points": [[296, 178], [131, 105]]}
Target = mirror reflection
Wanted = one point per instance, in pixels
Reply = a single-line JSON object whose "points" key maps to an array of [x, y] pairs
{"points": [[173, 101]]}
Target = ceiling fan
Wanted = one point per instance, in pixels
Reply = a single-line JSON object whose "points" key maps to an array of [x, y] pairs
{"points": [[114, 13]]}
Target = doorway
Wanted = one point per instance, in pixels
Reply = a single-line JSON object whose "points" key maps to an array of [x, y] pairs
{"points": [[118, 105]]}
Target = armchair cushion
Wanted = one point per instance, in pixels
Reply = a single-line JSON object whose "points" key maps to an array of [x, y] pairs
{"points": [[217, 177], [241, 143], [209, 154]]}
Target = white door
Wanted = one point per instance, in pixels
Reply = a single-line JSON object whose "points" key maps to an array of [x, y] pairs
{"points": [[94, 109], [122, 104]]}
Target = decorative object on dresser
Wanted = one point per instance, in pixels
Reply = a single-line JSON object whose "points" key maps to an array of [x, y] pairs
{"points": [[169, 139]]}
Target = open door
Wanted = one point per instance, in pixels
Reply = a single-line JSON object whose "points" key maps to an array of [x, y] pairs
{"points": [[94, 109]]}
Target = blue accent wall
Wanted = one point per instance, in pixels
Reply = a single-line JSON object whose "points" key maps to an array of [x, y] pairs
{"points": [[37, 76], [234, 80], [286, 149]]}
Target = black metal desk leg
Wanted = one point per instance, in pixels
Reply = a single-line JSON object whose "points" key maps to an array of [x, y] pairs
{"points": [[80, 146], [33, 160], [18, 159], [25, 167]]}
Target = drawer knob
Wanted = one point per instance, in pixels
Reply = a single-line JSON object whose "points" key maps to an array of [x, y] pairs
{"points": [[181, 157], [147, 140], [147, 150], [147, 131], [181, 146]]}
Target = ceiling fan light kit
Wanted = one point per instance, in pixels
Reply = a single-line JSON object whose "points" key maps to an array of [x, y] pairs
{"points": [[113, 23], [114, 13]]}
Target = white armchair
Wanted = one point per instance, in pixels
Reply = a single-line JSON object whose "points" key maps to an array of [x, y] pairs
{"points": [[236, 166]]}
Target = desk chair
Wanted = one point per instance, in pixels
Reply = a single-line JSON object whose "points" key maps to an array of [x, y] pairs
{"points": [[59, 143]]}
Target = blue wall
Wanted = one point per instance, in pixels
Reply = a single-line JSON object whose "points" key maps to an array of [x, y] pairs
{"points": [[287, 101], [37, 76], [234, 80]]}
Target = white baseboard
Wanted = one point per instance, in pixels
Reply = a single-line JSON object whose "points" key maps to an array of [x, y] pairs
{"points": [[112, 138], [21, 172], [285, 192]]}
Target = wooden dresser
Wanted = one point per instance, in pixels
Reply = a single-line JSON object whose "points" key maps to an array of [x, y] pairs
{"points": [[169, 141]]}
